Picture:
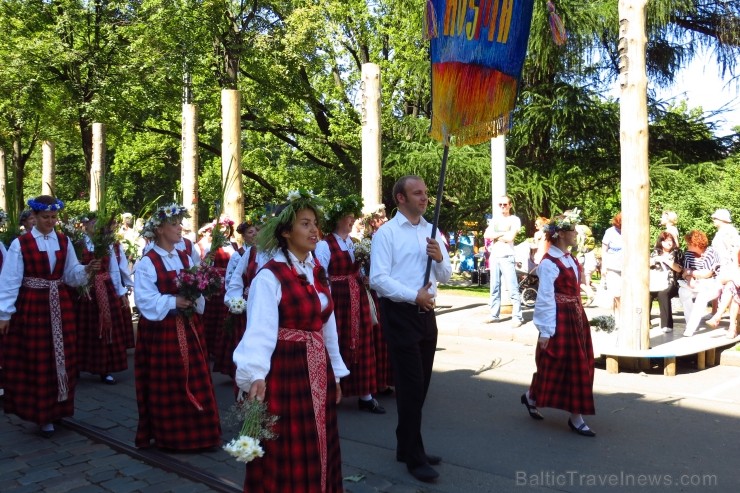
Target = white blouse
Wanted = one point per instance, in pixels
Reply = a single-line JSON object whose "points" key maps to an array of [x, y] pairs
{"points": [[12, 274], [254, 352], [152, 304], [545, 314]]}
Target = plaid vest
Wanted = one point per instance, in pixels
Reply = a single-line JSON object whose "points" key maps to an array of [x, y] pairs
{"points": [[251, 269], [166, 279], [88, 256], [36, 262], [300, 308], [341, 262], [567, 281]]}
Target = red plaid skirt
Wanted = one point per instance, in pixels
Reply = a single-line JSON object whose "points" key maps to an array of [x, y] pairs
{"points": [[213, 322], [565, 370], [29, 365], [128, 323], [383, 368], [356, 336], [223, 360], [167, 384], [100, 353], [291, 462]]}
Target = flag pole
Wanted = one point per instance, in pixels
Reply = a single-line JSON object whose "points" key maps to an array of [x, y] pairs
{"points": [[437, 204]]}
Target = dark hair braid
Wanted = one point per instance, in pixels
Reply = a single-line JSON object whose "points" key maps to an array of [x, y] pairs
{"points": [[322, 276]]}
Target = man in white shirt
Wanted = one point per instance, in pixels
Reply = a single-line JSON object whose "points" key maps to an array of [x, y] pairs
{"points": [[502, 230], [398, 261]]}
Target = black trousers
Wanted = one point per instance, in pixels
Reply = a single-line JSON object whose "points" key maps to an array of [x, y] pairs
{"points": [[664, 303], [412, 342]]}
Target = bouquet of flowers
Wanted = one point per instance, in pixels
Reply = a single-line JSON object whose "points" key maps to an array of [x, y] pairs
{"points": [[257, 425], [362, 251], [604, 323], [196, 281], [73, 230], [236, 305]]}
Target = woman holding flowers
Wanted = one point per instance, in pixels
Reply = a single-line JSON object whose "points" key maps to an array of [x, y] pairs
{"points": [[336, 253], [564, 355], [218, 257], [101, 341], [174, 391], [37, 321], [239, 279], [289, 356]]}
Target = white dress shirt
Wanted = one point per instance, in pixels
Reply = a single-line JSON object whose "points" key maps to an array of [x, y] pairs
{"points": [[254, 352], [127, 281], [545, 314], [398, 259], [323, 252], [12, 274], [152, 304]]}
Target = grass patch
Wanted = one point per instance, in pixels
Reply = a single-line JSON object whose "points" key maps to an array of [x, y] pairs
{"points": [[477, 291]]}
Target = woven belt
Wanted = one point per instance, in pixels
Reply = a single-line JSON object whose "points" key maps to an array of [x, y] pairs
{"points": [[355, 313], [105, 321], [55, 312], [316, 356]]}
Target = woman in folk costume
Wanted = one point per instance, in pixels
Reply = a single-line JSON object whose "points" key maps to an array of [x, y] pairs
{"points": [[215, 311], [174, 391], [37, 321], [101, 342], [373, 218], [126, 288], [564, 354], [289, 356], [239, 277], [351, 304], [3, 251]]}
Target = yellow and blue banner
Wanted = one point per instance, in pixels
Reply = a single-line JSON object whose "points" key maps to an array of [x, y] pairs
{"points": [[477, 49]]}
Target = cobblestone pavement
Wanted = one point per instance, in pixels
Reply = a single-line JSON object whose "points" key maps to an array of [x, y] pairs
{"points": [[676, 426]]}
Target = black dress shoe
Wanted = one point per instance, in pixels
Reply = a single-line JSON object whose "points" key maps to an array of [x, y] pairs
{"points": [[108, 379], [532, 410], [424, 473], [372, 406], [581, 430], [433, 460]]}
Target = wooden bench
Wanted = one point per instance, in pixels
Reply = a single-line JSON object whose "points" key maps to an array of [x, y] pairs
{"points": [[704, 345]]}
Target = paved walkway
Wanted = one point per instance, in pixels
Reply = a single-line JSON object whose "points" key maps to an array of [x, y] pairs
{"points": [[683, 430]]}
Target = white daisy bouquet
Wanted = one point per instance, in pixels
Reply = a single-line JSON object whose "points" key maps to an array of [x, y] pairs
{"points": [[257, 425], [236, 305], [362, 251]]}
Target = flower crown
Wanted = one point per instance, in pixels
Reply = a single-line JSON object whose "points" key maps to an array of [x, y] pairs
{"points": [[566, 221], [297, 200], [351, 204], [57, 205], [167, 213]]}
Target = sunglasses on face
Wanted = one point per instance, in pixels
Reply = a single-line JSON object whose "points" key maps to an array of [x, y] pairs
{"points": [[503, 205]]}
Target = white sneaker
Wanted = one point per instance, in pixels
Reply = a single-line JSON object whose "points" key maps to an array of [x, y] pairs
{"points": [[516, 323], [667, 330], [688, 333]]}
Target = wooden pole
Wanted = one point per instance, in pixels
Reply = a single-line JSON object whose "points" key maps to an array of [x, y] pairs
{"points": [[47, 169], [97, 169], [231, 155], [190, 161], [634, 330], [3, 181], [371, 135]]}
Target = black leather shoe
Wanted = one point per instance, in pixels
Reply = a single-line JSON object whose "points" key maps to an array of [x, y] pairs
{"points": [[372, 406], [581, 430], [108, 379], [532, 410], [424, 473], [433, 460]]}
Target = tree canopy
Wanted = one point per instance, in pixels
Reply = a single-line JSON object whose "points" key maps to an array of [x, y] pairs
{"points": [[130, 64]]}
